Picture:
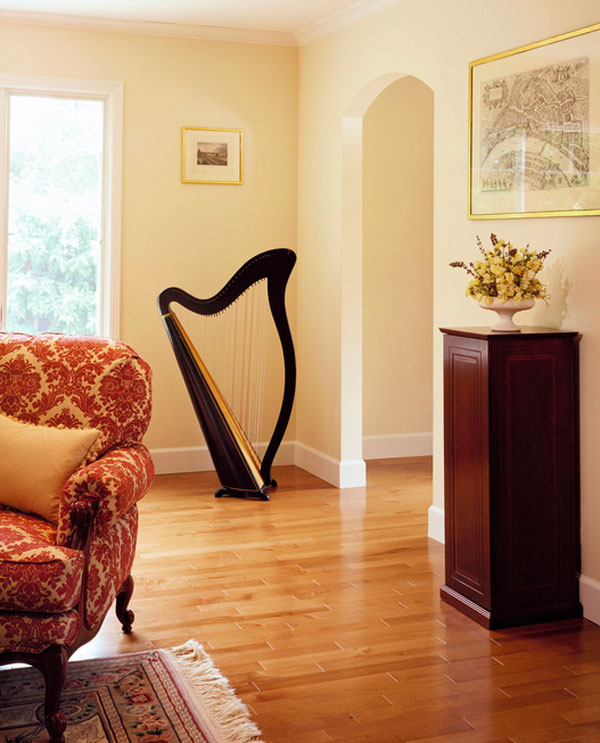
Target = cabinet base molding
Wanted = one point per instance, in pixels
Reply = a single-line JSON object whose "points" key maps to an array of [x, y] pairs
{"points": [[468, 607], [513, 618]]}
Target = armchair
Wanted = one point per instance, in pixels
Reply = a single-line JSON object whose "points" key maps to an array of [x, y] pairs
{"points": [[58, 581]]}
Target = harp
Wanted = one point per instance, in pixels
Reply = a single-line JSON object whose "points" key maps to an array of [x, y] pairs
{"points": [[238, 466]]}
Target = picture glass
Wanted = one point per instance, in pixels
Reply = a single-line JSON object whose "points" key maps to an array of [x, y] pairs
{"points": [[211, 155], [535, 130]]}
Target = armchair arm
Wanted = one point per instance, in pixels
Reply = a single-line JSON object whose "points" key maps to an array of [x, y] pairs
{"points": [[117, 480], [83, 512]]}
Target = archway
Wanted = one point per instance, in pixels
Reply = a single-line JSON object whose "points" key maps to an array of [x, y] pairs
{"points": [[354, 224]]}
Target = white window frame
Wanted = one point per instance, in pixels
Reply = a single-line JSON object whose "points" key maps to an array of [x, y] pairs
{"points": [[111, 94]]}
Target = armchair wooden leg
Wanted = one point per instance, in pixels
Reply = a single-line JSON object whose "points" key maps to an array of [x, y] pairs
{"points": [[125, 615], [53, 664]]}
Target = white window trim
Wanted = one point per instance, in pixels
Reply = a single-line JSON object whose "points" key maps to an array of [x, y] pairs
{"points": [[111, 93]]}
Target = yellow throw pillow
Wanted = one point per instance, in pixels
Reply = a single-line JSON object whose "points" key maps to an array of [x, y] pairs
{"points": [[35, 463]]}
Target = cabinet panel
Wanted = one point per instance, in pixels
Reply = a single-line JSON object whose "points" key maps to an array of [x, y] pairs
{"points": [[467, 566], [534, 500]]}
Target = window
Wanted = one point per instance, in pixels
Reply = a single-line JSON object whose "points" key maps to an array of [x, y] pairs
{"points": [[60, 205]]}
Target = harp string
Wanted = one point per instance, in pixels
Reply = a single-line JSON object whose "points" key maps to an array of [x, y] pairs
{"points": [[233, 345]]}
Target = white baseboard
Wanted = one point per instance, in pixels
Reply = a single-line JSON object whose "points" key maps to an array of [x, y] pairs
{"points": [[342, 474], [197, 458], [353, 473], [181, 459], [398, 445], [435, 526], [589, 595]]}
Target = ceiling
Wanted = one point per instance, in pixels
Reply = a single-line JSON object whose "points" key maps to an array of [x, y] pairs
{"points": [[292, 17]]}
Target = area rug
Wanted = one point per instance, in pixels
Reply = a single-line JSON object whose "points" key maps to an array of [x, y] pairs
{"points": [[157, 696]]}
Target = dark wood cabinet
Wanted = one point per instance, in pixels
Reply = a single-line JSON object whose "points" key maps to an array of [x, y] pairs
{"points": [[511, 452]]}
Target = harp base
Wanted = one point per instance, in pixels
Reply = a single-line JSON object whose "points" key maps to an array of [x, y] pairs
{"points": [[244, 495]]}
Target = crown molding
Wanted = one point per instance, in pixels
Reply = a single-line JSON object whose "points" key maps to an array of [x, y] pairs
{"points": [[305, 35], [342, 18], [148, 28]]}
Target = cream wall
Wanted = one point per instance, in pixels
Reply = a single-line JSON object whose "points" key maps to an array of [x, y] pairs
{"points": [[174, 234], [433, 40], [398, 261]]}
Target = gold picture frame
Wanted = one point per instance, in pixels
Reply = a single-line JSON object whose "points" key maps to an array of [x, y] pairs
{"points": [[211, 155], [534, 129]]}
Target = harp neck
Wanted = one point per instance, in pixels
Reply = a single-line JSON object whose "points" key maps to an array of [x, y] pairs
{"points": [[274, 265]]}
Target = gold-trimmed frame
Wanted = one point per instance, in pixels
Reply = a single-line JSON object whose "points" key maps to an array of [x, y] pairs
{"points": [[593, 83], [234, 176]]}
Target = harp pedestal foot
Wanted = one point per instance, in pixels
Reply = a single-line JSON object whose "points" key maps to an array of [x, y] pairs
{"points": [[251, 495]]}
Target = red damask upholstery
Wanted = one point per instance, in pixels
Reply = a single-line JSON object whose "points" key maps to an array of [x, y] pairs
{"points": [[116, 480], [35, 574], [27, 632], [58, 582], [111, 558], [78, 382]]}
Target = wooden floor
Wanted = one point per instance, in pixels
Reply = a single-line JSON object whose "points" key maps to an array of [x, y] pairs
{"points": [[322, 608]]}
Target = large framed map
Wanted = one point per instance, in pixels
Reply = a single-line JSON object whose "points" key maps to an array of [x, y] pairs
{"points": [[534, 116]]}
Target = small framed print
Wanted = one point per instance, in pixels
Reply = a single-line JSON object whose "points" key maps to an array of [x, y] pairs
{"points": [[211, 155], [534, 146]]}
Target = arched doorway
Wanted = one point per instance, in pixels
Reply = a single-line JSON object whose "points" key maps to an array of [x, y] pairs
{"points": [[387, 249]]}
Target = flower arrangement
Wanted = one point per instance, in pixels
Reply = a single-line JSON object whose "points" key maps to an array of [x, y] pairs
{"points": [[505, 273]]}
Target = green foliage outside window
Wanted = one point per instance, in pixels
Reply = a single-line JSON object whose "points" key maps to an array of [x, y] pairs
{"points": [[54, 215], [53, 274]]}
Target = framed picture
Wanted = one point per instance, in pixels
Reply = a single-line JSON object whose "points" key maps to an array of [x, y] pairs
{"points": [[534, 120], [211, 155]]}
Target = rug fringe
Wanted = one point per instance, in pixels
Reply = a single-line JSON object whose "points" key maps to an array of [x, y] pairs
{"points": [[216, 694]]}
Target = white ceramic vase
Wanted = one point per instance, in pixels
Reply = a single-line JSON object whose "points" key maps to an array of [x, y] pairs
{"points": [[505, 312]]}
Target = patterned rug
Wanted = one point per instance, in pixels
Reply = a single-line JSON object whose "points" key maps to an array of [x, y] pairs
{"points": [[157, 696]]}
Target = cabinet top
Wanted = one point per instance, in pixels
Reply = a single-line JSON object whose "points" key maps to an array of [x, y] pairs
{"points": [[525, 331]]}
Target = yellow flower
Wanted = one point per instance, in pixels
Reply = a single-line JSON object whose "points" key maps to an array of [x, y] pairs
{"points": [[508, 272]]}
